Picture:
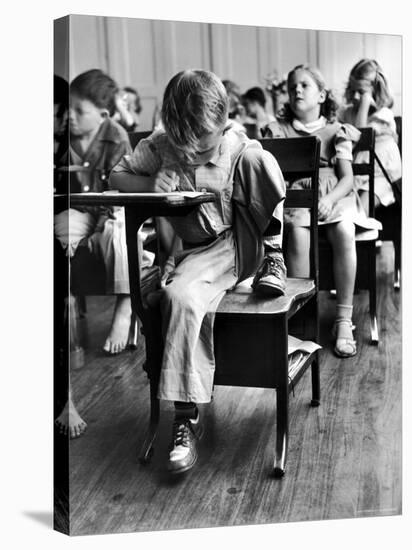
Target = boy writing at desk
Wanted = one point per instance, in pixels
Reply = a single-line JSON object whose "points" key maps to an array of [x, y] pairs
{"points": [[198, 151]]}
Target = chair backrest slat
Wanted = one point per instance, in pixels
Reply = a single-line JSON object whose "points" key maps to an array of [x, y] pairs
{"points": [[366, 140], [299, 198], [361, 169], [366, 143], [285, 151]]}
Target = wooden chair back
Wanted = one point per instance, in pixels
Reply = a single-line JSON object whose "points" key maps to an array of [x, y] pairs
{"points": [[298, 159]]}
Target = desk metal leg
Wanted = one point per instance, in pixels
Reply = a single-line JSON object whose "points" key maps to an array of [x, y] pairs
{"points": [[314, 335], [151, 326], [282, 402], [147, 449], [397, 270], [154, 352], [372, 295], [315, 402]]}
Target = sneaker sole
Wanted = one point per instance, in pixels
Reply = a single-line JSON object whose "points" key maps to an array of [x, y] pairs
{"points": [[269, 290]]}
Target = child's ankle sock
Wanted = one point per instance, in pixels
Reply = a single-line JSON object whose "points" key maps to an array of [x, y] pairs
{"points": [[185, 410], [344, 312], [272, 245], [272, 237]]}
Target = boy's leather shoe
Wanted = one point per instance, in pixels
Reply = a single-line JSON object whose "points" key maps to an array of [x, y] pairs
{"points": [[183, 453]]}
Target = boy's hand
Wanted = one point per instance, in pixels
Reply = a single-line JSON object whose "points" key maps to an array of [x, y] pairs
{"points": [[165, 181], [325, 207]]}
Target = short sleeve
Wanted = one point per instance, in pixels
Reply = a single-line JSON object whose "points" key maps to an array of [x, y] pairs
{"points": [[345, 139], [383, 122], [144, 160]]}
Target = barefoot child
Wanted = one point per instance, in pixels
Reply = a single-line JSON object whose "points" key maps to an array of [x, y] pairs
{"points": [[197, 150], [96, 145], [68, 421], [312, 111]]}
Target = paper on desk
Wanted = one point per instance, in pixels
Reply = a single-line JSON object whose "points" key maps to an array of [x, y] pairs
{"points": [[173, 194]]}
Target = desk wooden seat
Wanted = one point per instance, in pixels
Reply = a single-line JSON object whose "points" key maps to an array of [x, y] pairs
{"points": [[251, 334], [242, 300]]}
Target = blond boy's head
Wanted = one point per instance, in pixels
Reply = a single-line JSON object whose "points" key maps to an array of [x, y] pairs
{"points": [[195, 105]]}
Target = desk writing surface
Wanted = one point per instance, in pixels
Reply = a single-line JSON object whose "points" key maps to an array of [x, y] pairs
{"points": [[111, 198]]}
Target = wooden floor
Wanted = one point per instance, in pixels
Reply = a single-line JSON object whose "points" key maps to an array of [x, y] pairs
{"points": [[344, 457]]}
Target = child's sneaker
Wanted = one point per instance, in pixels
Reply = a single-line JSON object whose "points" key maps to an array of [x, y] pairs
{"points": [[183, 453], [270, 278]]}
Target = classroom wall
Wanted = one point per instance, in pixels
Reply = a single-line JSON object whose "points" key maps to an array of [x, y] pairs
{"points": [[146, 53]]}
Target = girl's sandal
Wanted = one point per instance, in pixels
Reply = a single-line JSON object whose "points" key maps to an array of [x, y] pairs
{"points": [[344, 347]]}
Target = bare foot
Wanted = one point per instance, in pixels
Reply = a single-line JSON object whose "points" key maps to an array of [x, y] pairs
{"points": [[70, 422], [119, 333]]}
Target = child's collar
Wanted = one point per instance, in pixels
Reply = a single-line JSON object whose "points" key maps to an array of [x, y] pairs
{"points": [[310, 126]]}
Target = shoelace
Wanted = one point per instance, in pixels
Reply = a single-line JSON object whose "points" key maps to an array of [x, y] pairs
{"points": [[272, 265], [269, 265], [181, 433], [277, 264]]}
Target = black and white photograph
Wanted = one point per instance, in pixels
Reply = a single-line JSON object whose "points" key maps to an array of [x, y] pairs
{"points": [[228, 213], [225, 268]]}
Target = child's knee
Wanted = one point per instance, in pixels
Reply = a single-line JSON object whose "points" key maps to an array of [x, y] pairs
{"points": [[343, 234], [364, 197], [346, 229], [298, 239], [183, 297]]}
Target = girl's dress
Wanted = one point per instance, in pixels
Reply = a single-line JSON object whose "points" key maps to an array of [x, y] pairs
{"points": [[386, 148], [337, 141]]}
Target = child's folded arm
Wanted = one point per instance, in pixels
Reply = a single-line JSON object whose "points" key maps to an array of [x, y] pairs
{"points": [[164, 181], [344, 174], [135, 172]]}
